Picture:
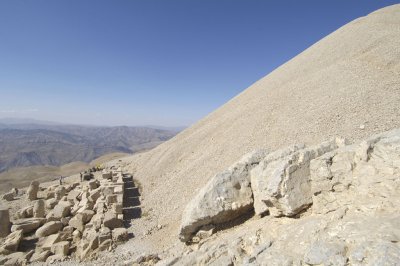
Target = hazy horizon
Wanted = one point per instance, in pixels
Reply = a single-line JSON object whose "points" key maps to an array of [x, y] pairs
{"points": [[161, 63], [27, 120]]}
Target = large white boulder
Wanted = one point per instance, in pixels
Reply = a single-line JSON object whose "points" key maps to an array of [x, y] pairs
{"points": [[281, 182], [225, 197]]}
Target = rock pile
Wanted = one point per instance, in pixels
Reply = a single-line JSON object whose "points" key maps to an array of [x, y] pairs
{"points": [[344, 197], [76, 220], [276, 183]]}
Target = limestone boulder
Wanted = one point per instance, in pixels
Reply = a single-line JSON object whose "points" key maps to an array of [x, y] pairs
{"points": [[116, 208], [80, 219], [27, 225], [110, 199], [93, 184], [5, 224], [47, 242], [50, 195], [61, 248], [51, 203], [111, 220], [105, 245], [61, 210], [356, 170], [104, 234], [281, 183], [88, 244], [78, 222], [11, 243], [106, 175], [40, 256], [39, 209], [95, 194], [108, 190], [225, 197], [49, 228], [17, 258], [8, 196], [73, 195], [33, 190], [60, 192], [26, 212]]}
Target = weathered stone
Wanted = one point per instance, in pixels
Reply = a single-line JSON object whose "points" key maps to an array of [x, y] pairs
{"points": [[17, 258], [65, 220], [326, 254], [100, 207], [76, 236], [110, 199], [281, 182], [49, 228], [33, 190], [89, 242], [47, 242], [93, 184], [225, 197], [116, 208], [26, 212], [50, 195], [107, 175], [104, 234], [78, 222], [108, 190], [105, 245], [120, 235], [5, 224], [80, 219], [8, 196], [11, 243], [61, 248], [73, 195], [51, 203], [97, 220], [95, 194], [111, 221], [60, 192], [338, 175], [39, 209], [40, 256], [27, 225], [61, 210]]}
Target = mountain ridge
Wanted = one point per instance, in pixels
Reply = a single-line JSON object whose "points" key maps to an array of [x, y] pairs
{"points": [[23, 145]]}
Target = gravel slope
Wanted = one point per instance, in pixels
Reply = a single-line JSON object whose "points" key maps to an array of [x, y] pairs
{"points": [[347, 84]]}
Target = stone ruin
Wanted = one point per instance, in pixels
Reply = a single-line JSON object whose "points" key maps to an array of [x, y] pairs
{"points": [[73, 220]]}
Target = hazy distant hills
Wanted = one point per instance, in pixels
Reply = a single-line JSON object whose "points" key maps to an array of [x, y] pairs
{"points": [[31, 144]]}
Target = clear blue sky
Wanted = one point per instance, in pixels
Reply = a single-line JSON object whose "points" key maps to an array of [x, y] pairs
{"points": [[150, 62]]}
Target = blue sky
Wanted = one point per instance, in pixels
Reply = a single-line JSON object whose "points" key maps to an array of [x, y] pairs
{"points": [[163, 62]]}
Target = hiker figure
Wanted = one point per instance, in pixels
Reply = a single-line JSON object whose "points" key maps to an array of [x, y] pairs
{"points": [[61, 179], [81, 176]]}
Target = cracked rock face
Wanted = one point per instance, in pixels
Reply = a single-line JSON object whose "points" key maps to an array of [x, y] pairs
{"points": [[364, 176], [224, 198], [281, 182], [354, 220]]}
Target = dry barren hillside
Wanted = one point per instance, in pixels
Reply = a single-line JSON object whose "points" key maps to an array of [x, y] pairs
{"points": [[347, 84], [301, 168]]}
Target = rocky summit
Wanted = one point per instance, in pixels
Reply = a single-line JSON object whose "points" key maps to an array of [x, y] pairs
{"points": [[302, 168], [66, 220]]}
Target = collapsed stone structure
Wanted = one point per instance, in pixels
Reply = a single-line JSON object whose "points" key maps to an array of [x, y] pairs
{"points": [[344, 199], [76, 220]]}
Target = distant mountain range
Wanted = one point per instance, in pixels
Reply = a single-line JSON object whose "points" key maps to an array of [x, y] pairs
{"points": [[28, 143]]}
